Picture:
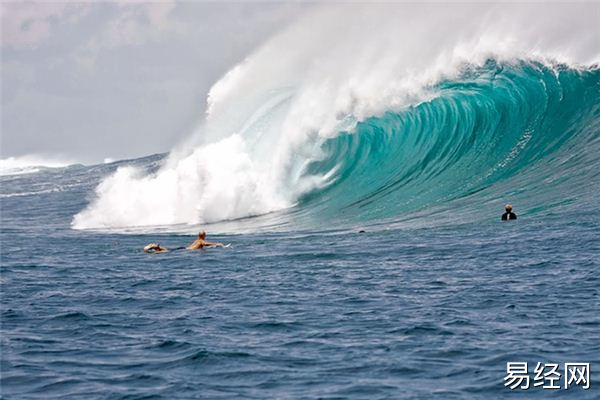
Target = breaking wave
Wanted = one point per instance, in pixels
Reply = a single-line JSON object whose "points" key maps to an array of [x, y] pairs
{"points": [[362, 118]]}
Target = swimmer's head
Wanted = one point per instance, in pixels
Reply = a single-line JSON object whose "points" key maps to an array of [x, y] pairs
{"points": [[508, 207], [202, 235], [152, 247]]}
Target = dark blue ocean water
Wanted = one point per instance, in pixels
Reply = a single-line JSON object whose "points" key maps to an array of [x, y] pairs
{"points": [[403, 313], [431, 301]]}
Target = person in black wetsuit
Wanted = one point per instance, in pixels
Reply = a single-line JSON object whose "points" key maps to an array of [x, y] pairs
{"points": [[508, 215]]}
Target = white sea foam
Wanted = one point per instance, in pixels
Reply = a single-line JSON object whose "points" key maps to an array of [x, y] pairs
{"points": [[216, 182], [336, 66]]}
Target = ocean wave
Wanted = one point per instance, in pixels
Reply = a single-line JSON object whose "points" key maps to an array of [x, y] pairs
{"points": [[500, 131], [362, 118], [29, 164]]}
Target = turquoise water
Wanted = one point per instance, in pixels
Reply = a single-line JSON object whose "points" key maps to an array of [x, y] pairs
{"points": [[521, 132], [431, 301]]}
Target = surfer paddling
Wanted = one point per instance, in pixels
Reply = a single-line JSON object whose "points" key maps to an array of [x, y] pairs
{"points": [[155, 248], [201, 243], [197, 244]]}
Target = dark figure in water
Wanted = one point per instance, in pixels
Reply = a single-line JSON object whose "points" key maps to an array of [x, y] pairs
{"points": [[508, 215]]}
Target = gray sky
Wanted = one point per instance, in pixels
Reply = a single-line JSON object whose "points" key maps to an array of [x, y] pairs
{"points": [[85, 81]]}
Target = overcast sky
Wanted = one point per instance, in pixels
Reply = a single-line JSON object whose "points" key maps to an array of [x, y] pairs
{"points": [[85, 81]]}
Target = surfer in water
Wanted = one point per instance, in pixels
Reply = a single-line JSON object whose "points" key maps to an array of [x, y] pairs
{"points": [[197, 244], [508, 215], [201, 243], [155, 248]]}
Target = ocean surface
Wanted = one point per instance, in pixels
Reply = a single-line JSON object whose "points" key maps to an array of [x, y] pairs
{"points": [[432, 300]]}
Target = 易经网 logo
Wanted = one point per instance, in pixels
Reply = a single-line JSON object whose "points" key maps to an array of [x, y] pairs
{"points": [[548, 376]]}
